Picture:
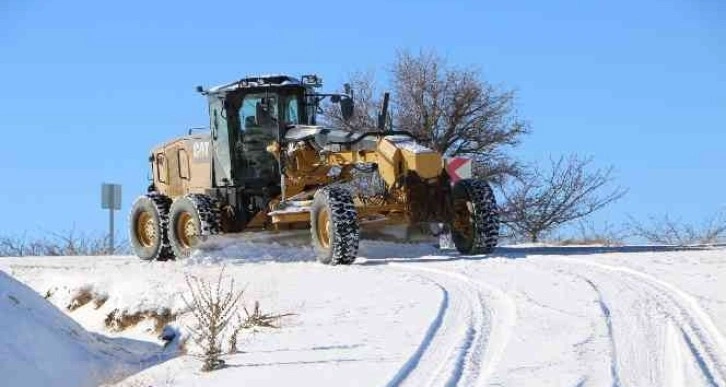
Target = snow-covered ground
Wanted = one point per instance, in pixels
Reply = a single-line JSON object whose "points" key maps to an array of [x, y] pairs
{"points": [[40, 346], [416, 316]]}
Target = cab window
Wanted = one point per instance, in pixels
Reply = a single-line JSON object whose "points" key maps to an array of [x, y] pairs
{"points": [[259, 111], [291, 111]]}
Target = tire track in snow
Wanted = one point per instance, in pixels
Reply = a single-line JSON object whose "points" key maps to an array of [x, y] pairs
{"points": [[609, 324], [468, 356], [438, 359], [431, 332], [696, 353], [702, 340], [674, 356]]}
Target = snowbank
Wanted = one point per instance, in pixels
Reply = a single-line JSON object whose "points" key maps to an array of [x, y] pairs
{"points": [[41, 346]]}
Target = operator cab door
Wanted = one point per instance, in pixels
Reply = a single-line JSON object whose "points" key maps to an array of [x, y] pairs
{"points": [[221, 158]]}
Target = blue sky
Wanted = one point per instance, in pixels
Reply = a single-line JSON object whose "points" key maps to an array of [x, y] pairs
{"points": [[89, 87]]}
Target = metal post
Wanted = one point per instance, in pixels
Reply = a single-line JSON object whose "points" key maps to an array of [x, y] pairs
{"points": [[384, 114], [111, 200], [110, 231]]}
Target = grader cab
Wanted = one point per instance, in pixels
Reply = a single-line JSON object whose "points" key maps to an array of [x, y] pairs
{"points": [[266, 164]]}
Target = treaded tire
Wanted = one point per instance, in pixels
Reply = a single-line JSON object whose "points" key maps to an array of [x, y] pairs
{"points": [[475, 223], [198, 211], [155, 208], [334, 206]]}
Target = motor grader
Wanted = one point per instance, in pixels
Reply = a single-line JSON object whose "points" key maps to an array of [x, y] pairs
{"points": [[266, 164]]}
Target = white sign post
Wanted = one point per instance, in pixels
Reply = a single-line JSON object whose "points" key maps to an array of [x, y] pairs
{"points": [[111, 200]]}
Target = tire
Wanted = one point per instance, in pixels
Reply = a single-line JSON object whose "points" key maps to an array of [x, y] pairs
{"points": [[191, 219], [147, 227], [334, 226], [475, 219]]}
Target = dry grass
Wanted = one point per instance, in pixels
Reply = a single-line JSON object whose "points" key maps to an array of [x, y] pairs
{"points": [[584, 242], [590, 234], [82, 297], [118, 320], [99, 300]]}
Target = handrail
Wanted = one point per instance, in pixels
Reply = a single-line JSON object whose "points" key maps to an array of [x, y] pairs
{"points": [[374, 133]]}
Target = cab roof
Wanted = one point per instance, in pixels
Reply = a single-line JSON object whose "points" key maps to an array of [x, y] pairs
{"points": [[274, 80]]}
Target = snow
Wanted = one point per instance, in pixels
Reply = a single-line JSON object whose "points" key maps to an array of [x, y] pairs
{"points": [[298, 132], [292, 206], [408, 144], [252, 82], [408, 315], [41, 346]]}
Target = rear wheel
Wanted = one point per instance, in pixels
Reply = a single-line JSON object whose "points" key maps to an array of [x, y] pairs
{"points": [[191, 219], [334, 226], [475, 222], [148, 221]]}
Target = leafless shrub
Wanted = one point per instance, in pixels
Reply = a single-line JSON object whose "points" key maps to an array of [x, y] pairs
{"points": [[212, 307], [668, 231], [541, 201], [254, 319], [590, 234], [58, 244]]}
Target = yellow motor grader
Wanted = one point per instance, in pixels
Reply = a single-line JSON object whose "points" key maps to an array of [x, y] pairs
{"points": [[265, 163]]}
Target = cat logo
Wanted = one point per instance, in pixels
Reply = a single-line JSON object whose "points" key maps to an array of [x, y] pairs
{"points": [[200, 150]]}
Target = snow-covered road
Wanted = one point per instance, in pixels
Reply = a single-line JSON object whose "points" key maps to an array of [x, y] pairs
{"points": [[414, 316]]}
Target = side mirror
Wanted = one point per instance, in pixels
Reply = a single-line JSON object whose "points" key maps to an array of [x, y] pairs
{"points": [[347, 108]]}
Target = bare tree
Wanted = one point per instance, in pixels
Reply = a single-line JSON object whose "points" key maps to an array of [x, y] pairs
{"points": [[366, 107], [541, 201], [668, 231], [455, 111], [452, 110]]}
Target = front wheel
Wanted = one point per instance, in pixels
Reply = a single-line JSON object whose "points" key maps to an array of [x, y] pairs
{"points": [[191, 219], [475, 219], [334, 226]]}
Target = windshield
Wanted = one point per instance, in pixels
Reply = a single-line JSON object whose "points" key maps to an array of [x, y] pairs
{"points": [[261, 110]]}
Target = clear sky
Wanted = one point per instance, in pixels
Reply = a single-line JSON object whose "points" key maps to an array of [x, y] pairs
{"points": [[89, 87]]}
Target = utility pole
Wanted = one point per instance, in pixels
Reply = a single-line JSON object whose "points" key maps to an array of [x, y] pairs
{"points": [[111, 200]]}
